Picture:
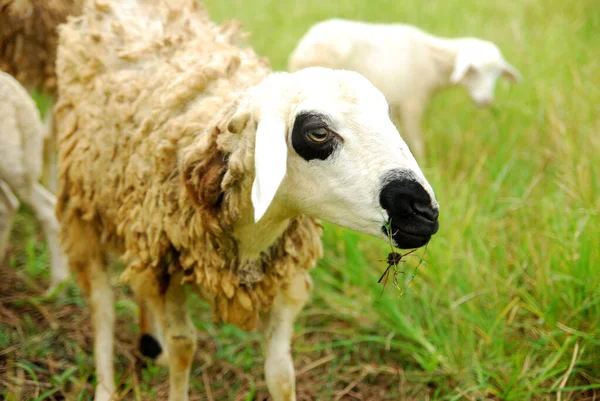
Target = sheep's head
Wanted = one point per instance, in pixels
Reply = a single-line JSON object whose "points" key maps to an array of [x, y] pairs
{"points": [[326, 147], [478, 65]]}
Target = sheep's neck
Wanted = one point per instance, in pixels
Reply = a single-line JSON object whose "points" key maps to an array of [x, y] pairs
{"points": [[444, 52], [255, 238]]}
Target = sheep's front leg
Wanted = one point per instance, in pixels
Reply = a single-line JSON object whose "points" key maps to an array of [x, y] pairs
{"points": [[9, 204], [96, 282], [279, 323], [411, 113], [179, 336]]}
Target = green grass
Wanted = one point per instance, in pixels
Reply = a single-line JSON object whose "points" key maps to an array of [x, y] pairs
{"points": [[507, 305]]}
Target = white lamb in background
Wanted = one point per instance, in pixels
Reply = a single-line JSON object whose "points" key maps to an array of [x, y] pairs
{"points": [[406, 63], [179, 151], [28, 40], [21, 145]]}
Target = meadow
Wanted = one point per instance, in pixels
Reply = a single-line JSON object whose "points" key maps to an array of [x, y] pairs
{"points": [[506, 304]]}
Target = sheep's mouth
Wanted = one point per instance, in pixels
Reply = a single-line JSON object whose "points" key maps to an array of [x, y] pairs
{"points": [[404, 239]]}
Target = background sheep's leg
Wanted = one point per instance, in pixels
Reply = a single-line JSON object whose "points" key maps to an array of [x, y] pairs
{"points": [[96, 281], [43, 203], [180, 335], [279, 323], [9, 205], [410, 113]]}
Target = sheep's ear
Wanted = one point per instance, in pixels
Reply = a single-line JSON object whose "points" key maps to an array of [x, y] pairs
{"points": [[461, 66], [510, 72], [270, 160]]}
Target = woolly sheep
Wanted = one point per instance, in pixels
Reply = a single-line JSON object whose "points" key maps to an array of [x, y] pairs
{"points": [[406, 63], [28, 40], [179, 151], [21, 139]]}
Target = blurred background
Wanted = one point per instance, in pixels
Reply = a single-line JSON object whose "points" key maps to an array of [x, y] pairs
{"points": [[506, 304]]}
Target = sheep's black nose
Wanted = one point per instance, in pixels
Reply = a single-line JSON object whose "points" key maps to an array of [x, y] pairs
{"points": [[412, 212], [427, 210]]}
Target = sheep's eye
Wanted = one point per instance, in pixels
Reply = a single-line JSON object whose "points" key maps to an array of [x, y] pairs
{"points": [[318, 135], [311, 137]]}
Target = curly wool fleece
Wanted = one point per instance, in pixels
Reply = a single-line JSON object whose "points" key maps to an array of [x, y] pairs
{"points": [[147, 163]]}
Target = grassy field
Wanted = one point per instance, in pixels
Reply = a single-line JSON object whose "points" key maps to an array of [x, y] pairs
{"points": [[507, 306]]}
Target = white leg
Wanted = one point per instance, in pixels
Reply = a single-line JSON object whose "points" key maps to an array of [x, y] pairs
{"points": [[43, 203], [101, 299], [411, 112], [180, 336], [9, 205], [279, 323]]}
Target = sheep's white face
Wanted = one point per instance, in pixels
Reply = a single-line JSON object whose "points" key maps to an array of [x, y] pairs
{"points": [[477, 67], [327, 148]]}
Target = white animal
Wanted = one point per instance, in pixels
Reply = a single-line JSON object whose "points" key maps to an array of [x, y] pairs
{"points": [[21, 142], [28, 40], [406, 63], [179, 151]]}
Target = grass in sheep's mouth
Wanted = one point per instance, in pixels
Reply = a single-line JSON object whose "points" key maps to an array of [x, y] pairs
{"points": [[392, 261]]}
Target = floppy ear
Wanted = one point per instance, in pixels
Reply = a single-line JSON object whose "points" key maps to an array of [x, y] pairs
{"points": [[461, 66], [270, 160], [510, 72]]}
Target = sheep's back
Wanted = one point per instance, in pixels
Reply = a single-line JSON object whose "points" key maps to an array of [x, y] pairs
{"points": [[134, 78], [137, 83], [388, 55]]}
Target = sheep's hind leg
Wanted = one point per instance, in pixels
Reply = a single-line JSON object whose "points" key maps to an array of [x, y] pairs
{"points": [[95, 281], [180, 335], [9, 204], [43, 203], [49, 170], [152, 343], [279, 323]]}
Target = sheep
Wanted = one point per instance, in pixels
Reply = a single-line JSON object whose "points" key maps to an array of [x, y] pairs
{"points": [[406, 63], [21, 140], [28, 40], [183, 154]]}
